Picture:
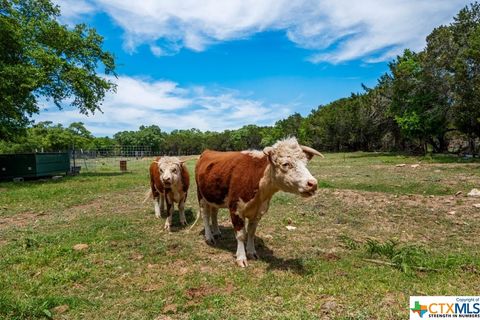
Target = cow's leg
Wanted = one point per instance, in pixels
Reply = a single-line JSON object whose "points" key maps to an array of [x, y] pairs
{"points": [[168, 221], [162, 203], [205, 211], [156, 203], [215, 230], [181, 212], [239, 227], [251, 228]]}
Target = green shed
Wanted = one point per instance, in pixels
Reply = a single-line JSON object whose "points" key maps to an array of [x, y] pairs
{"points": [[33, 165]]}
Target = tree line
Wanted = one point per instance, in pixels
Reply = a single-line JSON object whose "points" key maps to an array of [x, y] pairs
{"points": [[428, 101]]}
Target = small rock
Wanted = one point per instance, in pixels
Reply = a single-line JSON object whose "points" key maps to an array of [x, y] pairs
{"points": [[57, 177], [474, 193], [60, 309], [80, 247], [458, 193], [476, 205], [400, 165], [415, 166], [451, 212], [329, 306], [136, 256], [170, 308], [268, 236], [437, 171], [290, 228]]}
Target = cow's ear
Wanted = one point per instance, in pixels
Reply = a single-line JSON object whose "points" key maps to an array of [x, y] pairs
{"points": [[268, 151], [310, 152]]}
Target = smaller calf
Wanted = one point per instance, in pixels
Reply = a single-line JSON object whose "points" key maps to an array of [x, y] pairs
{"points": [[169, 181]]}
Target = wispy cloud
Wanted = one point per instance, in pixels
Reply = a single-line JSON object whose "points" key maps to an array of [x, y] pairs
{"points": [[336, 31], [74, 11], [141, 101]]}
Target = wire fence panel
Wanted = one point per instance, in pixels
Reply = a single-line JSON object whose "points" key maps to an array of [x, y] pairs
{"points": [[110, 159]]}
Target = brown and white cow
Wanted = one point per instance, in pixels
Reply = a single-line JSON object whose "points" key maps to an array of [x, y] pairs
{"points": [[244, 182], [169, 181]]}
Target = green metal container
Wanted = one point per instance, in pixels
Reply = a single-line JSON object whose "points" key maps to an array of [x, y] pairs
{"points": [[33, 165]]}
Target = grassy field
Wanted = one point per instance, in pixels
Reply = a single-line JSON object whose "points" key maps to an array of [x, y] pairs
{"points": [[374, 234]]}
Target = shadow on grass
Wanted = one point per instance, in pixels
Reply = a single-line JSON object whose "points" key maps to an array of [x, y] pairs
{"points": [[355, 155], [228, 242], [176, 226]]}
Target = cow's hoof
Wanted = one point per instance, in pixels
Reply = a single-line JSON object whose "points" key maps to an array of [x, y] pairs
{"points": [[183, 223], [242, 263], [157, 215], [167, 226], [217, 236], [252, 256], [210, 241]]}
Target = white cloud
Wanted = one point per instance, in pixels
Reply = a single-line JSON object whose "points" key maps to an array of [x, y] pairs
{"points": [[73, 11], [163, 103], [336, 30]]}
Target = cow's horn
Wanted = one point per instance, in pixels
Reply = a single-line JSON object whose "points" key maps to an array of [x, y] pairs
{"points": [[311, 151]]}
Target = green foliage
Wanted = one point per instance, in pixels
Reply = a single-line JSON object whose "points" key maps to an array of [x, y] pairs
{"points": [[348, 242], [45, 136], [39, 57], [413, 108], [465, 31]]}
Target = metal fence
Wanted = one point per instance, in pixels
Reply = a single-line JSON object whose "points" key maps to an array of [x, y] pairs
{"points": [[116, 158]]}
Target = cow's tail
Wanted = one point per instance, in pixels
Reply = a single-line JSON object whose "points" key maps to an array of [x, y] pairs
{"points": [[195, 222], [148, 195]]}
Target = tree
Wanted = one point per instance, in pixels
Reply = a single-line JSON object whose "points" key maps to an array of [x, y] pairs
{"points": [[40, 58], [419, 106], [151, 137], [466, 67]]}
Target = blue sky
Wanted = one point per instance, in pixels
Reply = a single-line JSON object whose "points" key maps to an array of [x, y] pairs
{"points": [[216, 65]]}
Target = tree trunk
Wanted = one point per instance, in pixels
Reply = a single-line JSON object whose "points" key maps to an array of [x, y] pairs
{"points": [[442, 144], [471, 143]]}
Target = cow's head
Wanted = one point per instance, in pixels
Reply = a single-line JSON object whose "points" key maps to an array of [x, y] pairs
{"points": [[289, 160], [170, 169]]}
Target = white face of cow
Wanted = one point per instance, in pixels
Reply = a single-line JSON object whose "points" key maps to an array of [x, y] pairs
{"points": [[170, 171], [289, 160]]}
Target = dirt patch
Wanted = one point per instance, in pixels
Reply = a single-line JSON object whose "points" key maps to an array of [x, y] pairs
{"points": [[198, 293], [103, 205], [330, 256], [20, 220], [362, 215]]}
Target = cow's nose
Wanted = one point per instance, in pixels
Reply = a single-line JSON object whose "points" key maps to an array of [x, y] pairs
{"points": [[312, 184], [166, 179]]}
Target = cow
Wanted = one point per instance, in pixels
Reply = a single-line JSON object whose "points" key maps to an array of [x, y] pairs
{"points": [[244, 182], [169, 182]]}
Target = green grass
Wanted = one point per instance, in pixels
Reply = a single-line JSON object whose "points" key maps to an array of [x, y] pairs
{"points": [[132, 269]]}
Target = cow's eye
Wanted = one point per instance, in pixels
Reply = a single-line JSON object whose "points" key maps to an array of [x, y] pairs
{"points": [[174, 170], [287, 165]]}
